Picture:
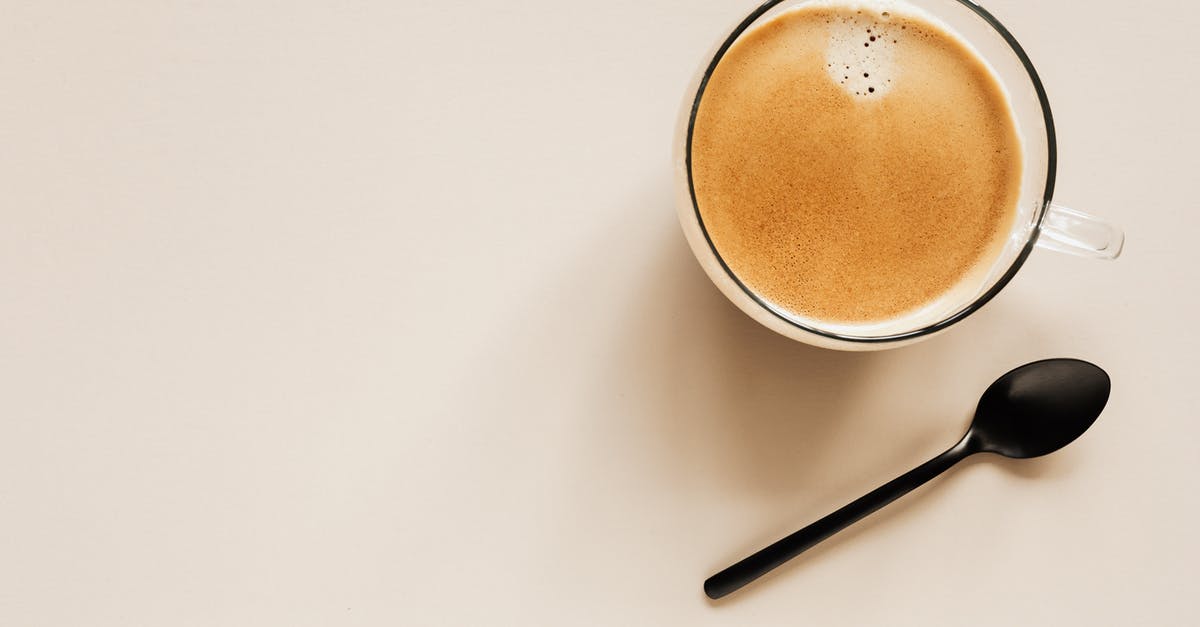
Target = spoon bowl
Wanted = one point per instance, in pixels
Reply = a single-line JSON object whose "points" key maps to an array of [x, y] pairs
{"points": [[1039, 408]]}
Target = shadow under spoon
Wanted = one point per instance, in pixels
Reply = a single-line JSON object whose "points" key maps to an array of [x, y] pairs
{"points": [[1030, 411]]}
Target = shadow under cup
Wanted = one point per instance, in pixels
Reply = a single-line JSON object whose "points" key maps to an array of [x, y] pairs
{"points": [[1037, 221]]}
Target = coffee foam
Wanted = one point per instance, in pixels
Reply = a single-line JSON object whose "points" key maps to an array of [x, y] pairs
{"points": [[861, 55], [853, 181], [864, 37]]}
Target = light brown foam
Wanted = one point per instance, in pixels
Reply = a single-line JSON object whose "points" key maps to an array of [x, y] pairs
{"points": [[854, 208]]}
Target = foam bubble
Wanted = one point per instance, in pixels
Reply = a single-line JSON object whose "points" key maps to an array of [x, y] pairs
{"points": [[861, 55]]}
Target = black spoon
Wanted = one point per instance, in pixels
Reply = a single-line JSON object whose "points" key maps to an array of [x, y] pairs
{"points": [[1031, 411]]}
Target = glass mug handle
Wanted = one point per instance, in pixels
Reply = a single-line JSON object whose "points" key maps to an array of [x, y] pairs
{"points": [[1077, 233]]}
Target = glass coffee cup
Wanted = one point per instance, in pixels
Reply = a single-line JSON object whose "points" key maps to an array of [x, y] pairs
{"points": [[1038, 221]]}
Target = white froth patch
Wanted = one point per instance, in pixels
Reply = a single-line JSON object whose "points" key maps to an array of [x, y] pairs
{"points": [[861, 55]]}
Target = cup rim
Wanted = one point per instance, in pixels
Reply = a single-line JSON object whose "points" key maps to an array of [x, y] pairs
{"points": [[957, 316]]}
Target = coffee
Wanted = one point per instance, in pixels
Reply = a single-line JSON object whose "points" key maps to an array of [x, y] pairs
{"points": [[855, 164]]}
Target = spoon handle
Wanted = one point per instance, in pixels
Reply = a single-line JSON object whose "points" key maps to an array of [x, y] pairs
{"points": [[765, 560]]}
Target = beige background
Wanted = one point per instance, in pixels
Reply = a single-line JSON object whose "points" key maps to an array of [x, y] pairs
{"points": [[378, 314]]}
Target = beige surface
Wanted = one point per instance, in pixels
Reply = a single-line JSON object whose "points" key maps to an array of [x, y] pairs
{"points": [[377, 314]]}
